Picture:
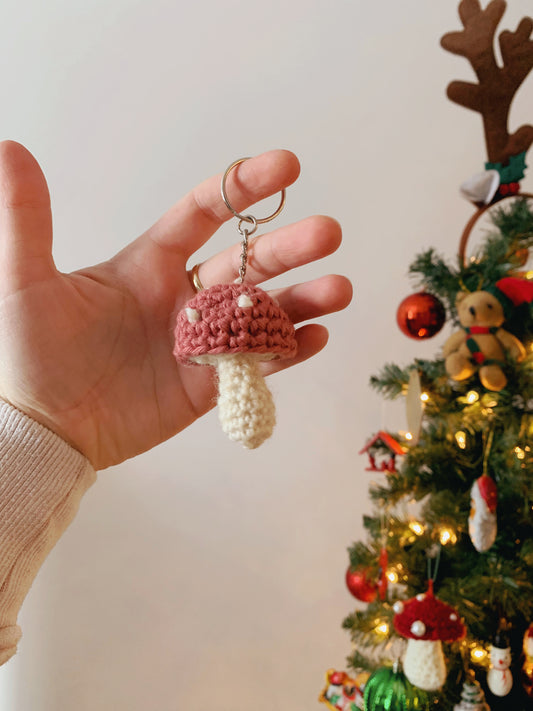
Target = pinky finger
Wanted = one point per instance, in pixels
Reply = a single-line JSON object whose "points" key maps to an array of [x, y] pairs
{"points": [[313, 299]]}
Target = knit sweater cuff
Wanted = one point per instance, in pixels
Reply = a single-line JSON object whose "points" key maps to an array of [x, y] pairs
{"points": [[42, 480]]}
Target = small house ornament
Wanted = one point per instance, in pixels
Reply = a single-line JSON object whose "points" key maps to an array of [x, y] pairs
{"points": [[382, 443]]}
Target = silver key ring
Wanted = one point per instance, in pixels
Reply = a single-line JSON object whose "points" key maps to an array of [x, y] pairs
{"points": [[254, 221]]}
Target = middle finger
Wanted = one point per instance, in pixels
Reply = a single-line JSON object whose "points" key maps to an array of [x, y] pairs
{"points": [[275, 253]]}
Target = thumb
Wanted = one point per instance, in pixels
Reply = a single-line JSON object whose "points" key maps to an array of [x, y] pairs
{"points": [[25, 218]]}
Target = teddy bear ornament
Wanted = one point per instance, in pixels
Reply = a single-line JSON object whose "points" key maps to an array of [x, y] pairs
{"points": [[482, 344]]}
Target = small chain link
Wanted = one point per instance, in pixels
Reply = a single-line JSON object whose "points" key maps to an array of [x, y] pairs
{"points": [[244, 256], [249, 219], [245, 232]]}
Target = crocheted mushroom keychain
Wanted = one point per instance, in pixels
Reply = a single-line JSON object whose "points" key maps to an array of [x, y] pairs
{"points": [[233, 327]]}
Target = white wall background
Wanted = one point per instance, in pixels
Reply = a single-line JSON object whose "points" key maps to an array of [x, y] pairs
{"points": [[200, 576]]}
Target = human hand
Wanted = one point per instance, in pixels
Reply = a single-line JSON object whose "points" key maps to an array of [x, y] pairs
{"points": [[89, 354]]}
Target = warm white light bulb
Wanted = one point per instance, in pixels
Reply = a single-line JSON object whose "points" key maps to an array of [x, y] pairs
{"points": [[478, 654], [392, 576], [382, 628], [416, 527], [460, 438], [446, 536]]}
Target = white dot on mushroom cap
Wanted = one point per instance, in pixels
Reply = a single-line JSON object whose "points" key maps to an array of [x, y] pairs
{"points": [[453, 617], [418, 628], [192, 315], [398, 607], [244, 301], [421, 597]]}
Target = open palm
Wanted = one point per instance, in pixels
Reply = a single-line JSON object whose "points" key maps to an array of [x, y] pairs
{"points": [[89, 354]]}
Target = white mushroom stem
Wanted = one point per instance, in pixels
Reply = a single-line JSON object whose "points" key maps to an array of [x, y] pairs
{"points": [[424, 664], [245, 406]]}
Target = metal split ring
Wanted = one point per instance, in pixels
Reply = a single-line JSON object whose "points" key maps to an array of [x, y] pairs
{"points": [[254, 221]]}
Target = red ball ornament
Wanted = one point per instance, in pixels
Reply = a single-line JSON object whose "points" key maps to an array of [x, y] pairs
{"points": [[361, 585], [421, 315]]}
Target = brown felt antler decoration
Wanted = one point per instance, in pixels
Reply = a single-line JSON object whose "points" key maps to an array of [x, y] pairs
{"points": [[493, 95]]}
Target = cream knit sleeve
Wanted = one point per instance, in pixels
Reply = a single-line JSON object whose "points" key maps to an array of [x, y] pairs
{"points": [[42, 480]]}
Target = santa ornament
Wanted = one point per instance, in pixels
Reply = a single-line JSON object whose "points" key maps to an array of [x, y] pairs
{"points": [[342, 692], [482, 522]]}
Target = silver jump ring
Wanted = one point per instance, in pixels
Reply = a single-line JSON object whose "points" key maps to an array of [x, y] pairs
{"points": [[250, 220], [247, 218]]}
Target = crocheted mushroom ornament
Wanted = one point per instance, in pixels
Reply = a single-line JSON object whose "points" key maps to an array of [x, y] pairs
{"points": [[233, 327], [426, 622]]}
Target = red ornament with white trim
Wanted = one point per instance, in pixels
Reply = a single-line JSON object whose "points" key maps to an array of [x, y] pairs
{"points": [[482, 522]]}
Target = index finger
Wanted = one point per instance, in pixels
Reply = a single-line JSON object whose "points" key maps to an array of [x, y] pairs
{"points": [[194, 219]]}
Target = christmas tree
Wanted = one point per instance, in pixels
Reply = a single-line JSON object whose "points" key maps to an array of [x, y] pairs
{"points": [[445, 575]]}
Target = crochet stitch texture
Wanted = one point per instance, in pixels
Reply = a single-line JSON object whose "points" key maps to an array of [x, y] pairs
{"points": [[222, 326]]}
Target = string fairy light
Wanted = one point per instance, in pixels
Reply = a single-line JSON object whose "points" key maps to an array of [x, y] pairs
{"points": [[478, 654], [382, 628], [447, 535], [417, 528], [392, 576], [520, 453], [460, 438]]}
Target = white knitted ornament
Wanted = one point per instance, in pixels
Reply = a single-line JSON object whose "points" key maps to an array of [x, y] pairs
{"points": [[424, 664], [426, 622]]}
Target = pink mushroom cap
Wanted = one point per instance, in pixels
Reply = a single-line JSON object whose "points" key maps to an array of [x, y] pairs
{"points": [[233, 318], [439, 620]]}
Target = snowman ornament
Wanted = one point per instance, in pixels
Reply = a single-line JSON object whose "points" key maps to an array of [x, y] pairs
{"points": [[499, 677]]}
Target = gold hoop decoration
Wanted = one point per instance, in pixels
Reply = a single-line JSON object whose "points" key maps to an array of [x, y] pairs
{"points": [[475, 217], [254, 221]]}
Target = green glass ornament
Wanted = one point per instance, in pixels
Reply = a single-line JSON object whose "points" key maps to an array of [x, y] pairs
{"points": [[388, 689]]}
